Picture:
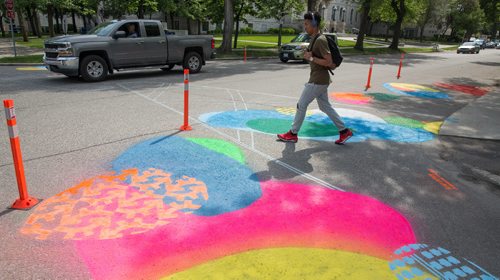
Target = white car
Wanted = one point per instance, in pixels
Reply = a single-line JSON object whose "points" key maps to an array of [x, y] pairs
{"points": [[468, 47]]}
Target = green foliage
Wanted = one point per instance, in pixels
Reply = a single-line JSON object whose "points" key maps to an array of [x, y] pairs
{"points": [[284, 31], [246, 30]]}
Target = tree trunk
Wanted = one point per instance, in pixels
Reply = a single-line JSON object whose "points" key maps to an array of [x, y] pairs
{"points": [[58, 26], [363, 28], [190, 32], [172, 20], [311, 5], [50, 18], [22, 23], [140, 10], [75, 30], [227, 37], [422, 33], [400, 12], [387, 32], [1, 26], [32, 21], [236, 32], [199, 27], [38, 26]]}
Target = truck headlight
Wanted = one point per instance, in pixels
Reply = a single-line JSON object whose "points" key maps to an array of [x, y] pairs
{"points": [[298, 47], [65, 52]]}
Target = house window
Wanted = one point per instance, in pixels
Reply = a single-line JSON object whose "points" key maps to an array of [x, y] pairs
{"points": [[334, 13]]}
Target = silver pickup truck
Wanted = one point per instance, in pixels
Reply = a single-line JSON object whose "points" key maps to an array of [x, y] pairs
{"points": [[124, 44]]}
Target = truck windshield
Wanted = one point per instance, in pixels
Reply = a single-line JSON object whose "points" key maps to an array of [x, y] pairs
{"points": [[301, 38], [103, 29]]}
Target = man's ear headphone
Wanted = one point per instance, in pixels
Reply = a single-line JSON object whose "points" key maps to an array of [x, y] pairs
{"points": [[313, 21]]}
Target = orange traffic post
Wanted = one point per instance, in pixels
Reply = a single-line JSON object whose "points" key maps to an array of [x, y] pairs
{"points": [[245, 54], [400, 64], [25, 201], [186, 126], [368, 83]]}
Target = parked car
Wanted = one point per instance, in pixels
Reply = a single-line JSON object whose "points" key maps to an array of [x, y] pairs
{"points": [[481, 43], [295, 49], [491, 45], [110, 46], [468, 47]]}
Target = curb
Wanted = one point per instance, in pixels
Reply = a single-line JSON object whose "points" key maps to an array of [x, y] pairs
{"points": [[21, 64], [482, 174]]}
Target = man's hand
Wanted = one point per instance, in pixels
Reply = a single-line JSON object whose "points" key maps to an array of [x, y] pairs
{"points": [[307, 55]]}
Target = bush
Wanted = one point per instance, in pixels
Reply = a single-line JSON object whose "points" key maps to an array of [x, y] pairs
{"points": [[246, 30], [284, 31]]}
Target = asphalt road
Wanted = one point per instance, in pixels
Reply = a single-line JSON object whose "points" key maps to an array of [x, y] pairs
{"points": [[71, 131]]}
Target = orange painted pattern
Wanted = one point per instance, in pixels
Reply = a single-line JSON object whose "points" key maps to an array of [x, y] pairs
{"points": [[442, 181], [115, 205]]}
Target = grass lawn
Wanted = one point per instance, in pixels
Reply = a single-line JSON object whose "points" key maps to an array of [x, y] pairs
{"points": [[263, 41], [22, 59], [34, 42]]}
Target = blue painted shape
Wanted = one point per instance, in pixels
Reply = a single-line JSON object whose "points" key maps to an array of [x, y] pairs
{"points": [[415, 246], [399, 263], [407, 274], [436, 265], [467, 270], [363, 129], [393, 266], [400, 277], [444, 262], [228, 182], [417, 272], [408, 260], [487, 277], [418, 93], [406, 249], [458, 272], [448, 275], [436, 252], [444, 251], [398, 252], [453, 260], [427, 255]]}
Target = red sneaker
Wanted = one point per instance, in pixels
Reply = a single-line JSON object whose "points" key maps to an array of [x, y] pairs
{"points": [[344, 135], [288, 137]]}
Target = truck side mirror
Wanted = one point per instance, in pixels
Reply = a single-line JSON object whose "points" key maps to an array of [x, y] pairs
{"points": [[120, 34]]}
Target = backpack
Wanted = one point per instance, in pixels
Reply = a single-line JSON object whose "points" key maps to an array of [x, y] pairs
{"points": [[337, 57]]}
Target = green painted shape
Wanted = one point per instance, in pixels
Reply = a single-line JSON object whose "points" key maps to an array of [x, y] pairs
{"points": [[384, 97], [222, 147], [309, 129], [405, 122]]}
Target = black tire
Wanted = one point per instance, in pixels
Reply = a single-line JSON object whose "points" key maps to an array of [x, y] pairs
{"points": [[284, 60], [168, 67], [193, 62], [93, 68]]}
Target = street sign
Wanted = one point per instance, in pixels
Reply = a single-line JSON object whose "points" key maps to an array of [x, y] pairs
{"points": [[11, 14]]}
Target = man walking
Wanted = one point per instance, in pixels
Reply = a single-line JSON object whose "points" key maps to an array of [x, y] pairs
{"points": [[320, 59]]}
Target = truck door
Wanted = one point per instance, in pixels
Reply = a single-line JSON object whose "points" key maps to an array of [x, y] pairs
{"points": [[155, 44], [128, 51]]}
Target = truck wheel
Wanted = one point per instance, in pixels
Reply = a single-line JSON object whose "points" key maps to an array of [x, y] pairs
{"points": [[193, 62], [93, 68]]}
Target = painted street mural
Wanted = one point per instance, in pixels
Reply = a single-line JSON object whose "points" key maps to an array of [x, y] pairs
{"points": [[190, 208], [317, 126], [416, 90], [362, 98], [468, 89]]}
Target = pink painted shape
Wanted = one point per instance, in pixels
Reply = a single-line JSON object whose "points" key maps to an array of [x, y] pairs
{"points": [[286, 215]]}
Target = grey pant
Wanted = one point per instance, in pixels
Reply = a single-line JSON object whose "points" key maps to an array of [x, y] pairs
{"points": [[320, 93]]}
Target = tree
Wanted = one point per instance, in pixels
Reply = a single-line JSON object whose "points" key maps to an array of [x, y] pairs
{"points": [[365, 19], [432, 11], [400, 9], [491, 10], [277, 9], [227, 36], [465, 18], [242, 8]]}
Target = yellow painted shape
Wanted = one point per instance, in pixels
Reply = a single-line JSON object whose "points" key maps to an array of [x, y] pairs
{"points": [[290, 111], [413, 87], [291, 263], [433, 127], [31, 69]]}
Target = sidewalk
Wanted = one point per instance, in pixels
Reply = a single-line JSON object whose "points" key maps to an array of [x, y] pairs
{"points": [[479, 120], [7, 50]]}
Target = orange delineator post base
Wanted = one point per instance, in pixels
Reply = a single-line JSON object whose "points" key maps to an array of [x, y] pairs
{"points": [[25, 201], [186, 126], [400, 65], [368, 83]]}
